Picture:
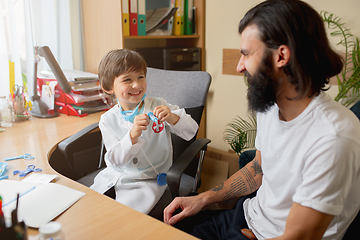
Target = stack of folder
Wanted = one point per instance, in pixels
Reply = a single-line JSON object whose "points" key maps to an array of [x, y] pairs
{"points": [[158, 17], [86, 94]]}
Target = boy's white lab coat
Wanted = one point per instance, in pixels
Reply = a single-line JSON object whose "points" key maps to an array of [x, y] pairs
{"points": [[127, 166]]}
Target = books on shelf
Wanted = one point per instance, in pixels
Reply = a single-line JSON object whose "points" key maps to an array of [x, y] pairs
{"points": [[158, 17], [125, 18], [188, 17], [155, 18], [141, 17], [177, 18], [133, 14]]}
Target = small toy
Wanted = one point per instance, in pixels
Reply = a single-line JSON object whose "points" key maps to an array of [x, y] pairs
{"points": [[152, 117], [157, 125], [26, 156], [30, 168]]}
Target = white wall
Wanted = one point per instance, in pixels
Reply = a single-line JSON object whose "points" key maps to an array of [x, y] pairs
{"points": [[227, 97]]}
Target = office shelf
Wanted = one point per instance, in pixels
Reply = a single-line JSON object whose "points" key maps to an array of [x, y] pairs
{"points": [[162, 37], [102, 27]]}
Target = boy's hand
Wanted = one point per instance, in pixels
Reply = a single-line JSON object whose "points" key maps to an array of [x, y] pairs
{"points": [[163, 113], [140, 124]]}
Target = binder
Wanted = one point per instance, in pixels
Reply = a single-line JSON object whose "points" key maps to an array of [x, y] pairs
{"points": [[141, 17], [177, 18], [170, 23], [182, 7], [188, 17], [133, 17], [125, 18], [194, 20]]}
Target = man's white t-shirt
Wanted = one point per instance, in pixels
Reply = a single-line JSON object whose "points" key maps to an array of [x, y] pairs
{"points": [[313, 160]]}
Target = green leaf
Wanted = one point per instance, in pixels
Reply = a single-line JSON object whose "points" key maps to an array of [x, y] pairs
{"points": [[240, 133], [349, 86]]}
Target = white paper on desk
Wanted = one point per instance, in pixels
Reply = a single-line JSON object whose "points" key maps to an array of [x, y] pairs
{"points": [[40, 205]]}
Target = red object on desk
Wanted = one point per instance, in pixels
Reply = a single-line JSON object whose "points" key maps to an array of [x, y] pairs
{"points": [[68, 110], [64, 101]]}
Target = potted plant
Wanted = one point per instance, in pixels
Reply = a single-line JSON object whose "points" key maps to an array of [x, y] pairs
{"points": [[241, 134], [348, 79]]}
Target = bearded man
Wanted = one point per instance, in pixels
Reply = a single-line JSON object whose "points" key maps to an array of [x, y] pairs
{"points": [[307, 164]]}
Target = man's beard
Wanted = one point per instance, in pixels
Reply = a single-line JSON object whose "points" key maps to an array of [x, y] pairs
{"points": [[262, 90]]}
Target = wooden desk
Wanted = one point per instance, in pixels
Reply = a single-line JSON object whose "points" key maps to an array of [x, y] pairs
{"points": [[94, 216]]}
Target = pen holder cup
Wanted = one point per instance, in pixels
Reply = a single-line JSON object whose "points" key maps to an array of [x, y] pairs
{"points": [[19, 106], [18, 232], [20, 111]]}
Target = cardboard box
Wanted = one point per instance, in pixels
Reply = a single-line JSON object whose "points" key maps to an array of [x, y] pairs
{"points": [[213, 173], [230, 157]]}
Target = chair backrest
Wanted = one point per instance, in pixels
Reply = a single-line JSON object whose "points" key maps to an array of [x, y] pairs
{"points": [[186, 89]]}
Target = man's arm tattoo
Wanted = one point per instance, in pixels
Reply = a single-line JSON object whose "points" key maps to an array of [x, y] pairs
{"points": [[257, 168], [218, 188], [238, 186]]}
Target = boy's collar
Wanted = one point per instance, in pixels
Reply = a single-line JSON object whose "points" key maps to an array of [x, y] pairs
{"points": [[130, 114]]}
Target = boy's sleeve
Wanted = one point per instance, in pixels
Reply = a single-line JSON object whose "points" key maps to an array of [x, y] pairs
{"points": [[186, 127], [120, 152]]}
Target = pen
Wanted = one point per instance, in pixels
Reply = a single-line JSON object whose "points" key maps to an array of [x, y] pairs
{"points": [[19, 228], [14, 213]]}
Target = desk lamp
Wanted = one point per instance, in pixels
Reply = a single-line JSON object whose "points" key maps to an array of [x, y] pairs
{"points": [[39, 108]]}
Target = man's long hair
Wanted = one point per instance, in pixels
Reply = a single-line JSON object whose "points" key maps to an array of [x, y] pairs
{"points": [[296, 24]]}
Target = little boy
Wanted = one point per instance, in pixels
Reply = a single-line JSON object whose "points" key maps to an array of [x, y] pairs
{"points": [[136, 154]]}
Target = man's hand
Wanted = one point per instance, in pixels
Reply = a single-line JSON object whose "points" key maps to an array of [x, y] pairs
{"points": [[140, 124], [163, 113], [234, 187], [189, 206]]}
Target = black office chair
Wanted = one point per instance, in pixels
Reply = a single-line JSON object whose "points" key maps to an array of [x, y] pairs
{"points": [[249, 155], [80, 157]]}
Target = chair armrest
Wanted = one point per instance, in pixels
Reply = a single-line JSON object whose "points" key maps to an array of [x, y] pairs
{"points": [[66, 147], [63, 145], [179, 166]]}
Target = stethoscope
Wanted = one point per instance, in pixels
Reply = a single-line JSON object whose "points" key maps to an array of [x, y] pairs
{"points": [[157, 127]]}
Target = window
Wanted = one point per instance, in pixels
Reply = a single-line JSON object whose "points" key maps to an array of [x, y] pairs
{"points": [[28, 23]]}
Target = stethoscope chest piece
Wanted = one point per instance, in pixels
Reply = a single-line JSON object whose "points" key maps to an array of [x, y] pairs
{"points": [[161, 179]]}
